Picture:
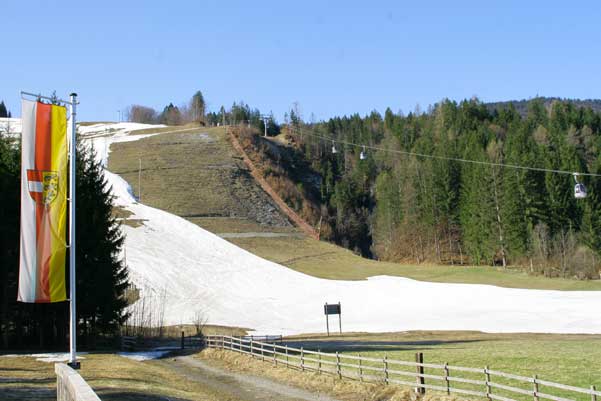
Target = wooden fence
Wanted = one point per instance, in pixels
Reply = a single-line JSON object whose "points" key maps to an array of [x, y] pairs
{"points": [[129, 343], [70, 386], [481, 383], [192, 341], [268, 339]]}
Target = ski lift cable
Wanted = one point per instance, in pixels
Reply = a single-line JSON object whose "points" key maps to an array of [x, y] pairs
{"points": [[461, 160]]}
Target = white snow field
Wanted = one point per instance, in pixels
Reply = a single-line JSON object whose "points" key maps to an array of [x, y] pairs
{"points": [[200, 271]]}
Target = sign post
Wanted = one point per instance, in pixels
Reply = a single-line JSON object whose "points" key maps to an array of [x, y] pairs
{"points": [[333, 309]]}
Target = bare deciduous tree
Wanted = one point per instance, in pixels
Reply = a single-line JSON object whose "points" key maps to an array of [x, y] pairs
{"points": [[141, 114], [200, 321]]}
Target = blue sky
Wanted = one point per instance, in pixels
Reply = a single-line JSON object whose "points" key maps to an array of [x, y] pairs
{"points": [[333, 58]]}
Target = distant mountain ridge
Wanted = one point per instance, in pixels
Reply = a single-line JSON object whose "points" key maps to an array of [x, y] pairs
{"points": [[522, 105]]}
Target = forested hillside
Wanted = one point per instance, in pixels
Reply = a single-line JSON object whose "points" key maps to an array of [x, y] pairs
{"points": [[401, 207]]}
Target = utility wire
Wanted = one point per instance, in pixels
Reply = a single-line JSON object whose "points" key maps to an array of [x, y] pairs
{"points": [[406, 153]]}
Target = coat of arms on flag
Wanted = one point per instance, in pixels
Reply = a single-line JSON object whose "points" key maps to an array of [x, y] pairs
{"points": [[43, 185]]}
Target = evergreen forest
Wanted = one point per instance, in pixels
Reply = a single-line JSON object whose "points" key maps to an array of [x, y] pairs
{"points": [[411, 200]]}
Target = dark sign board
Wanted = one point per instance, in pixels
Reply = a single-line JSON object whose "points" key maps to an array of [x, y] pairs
{"points": [[331, 309]]}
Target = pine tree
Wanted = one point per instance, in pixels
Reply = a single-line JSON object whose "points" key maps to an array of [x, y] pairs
{"points": [[9, 236], [198, 107], [477, 213], [102, 277], [388, 214], [591, 216], [3, 111]]}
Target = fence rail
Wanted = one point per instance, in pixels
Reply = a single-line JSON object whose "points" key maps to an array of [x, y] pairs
{"points": [[484, 382]]}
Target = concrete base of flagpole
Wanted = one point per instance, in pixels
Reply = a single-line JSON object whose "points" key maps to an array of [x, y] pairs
{"points": [[74, 365]]}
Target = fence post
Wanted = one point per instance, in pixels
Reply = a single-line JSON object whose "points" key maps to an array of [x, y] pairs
{"points": [[419, 359], [360, 369], [262, 354], [338, 370], [385, 369], [182, 346], [488, 386], [287, 363], [318, 361], [252, 355], [302, 361], [446, 377], [593, 395], [535, 383], [222, 342], [275, 359]]}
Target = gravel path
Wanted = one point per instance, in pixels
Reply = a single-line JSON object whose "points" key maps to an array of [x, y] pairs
{"points": [[236, 386]]}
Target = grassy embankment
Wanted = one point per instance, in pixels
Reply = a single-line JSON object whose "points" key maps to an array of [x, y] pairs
{"points": [[199, 176], [113, 378], [196, 175]]}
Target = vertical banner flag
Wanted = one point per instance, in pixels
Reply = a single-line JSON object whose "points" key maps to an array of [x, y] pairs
{"points": [[44, 184]]}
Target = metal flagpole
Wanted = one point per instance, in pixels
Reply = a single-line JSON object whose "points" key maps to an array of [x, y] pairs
{"points": [[73, 316]]}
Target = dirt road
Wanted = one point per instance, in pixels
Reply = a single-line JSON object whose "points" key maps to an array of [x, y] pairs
{"points": [[235, 386]]}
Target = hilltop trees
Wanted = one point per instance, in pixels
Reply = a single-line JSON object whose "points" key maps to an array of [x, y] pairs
{"points": [[171, 115], [195, 111], [141, 114], [197, 107]]}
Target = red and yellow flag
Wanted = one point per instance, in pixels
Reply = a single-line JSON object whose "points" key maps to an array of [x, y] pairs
{"points": [[43, 203]]}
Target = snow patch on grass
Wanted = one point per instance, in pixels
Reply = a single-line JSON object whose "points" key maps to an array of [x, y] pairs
{"points": [[48, 357], [143, 355]]}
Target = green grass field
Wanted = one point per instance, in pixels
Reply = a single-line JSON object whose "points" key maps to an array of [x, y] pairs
{"points": [[567, 359], [325, 260]]}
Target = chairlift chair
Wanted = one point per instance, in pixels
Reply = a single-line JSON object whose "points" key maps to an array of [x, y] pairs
{"points": [[334, 151], [362, 155], [579, 191], [579, 188]]}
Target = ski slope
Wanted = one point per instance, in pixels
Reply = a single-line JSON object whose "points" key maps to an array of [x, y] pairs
{"points": [[200, 271]]}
